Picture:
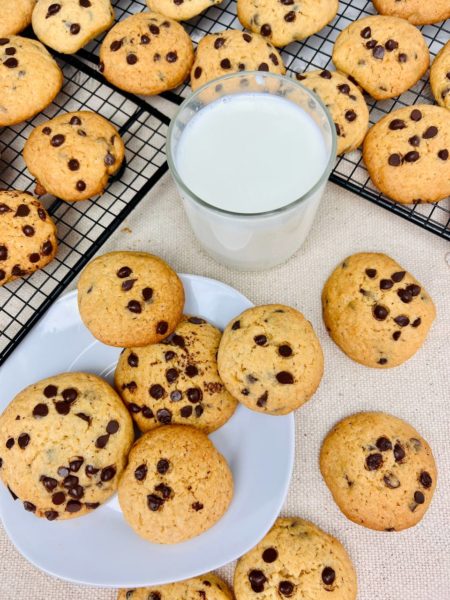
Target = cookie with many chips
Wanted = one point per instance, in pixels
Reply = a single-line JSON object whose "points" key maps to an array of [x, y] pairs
{"points": [[207, 586]]}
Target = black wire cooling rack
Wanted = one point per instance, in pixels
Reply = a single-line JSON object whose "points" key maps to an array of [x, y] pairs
{"points": [[315, 53], [82, 226]]}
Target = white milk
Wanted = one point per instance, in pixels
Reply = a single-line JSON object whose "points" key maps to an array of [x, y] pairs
{"points": [[251, 153]]}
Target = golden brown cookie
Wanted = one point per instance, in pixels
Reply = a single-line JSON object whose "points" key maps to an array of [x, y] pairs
{"points": [[440, 76], [207, 586]]}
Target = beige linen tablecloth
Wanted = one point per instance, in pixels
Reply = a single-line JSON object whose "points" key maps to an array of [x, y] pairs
{"points": [[412, 565]]}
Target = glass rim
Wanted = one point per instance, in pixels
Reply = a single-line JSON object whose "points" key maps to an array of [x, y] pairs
{"points": [[266, 75]]}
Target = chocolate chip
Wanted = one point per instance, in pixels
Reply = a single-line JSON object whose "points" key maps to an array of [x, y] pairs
{"points": [[378, 52], [23, 440], [124, 272], [386, 284], [22, 211], [391, 481], [371, 273], [415, 115], [399, 453], [109, 159], [247, 37], [154, 502], [172, 57], [371, 44], [57, 140], [101, 441], [76, 492], [419, 498], [430, 132], [416, 322], [266, 30], [414, 141], [70, 481], [194, 395], [191, 371], [140, 472], [169, 355], [270, 555], [163, 466], [145, 40], [4, 41], [28, 230], [197, 506], [396, 335], [380, 312], [134, 306], [29, 506], [11, 63], [414, 289], [49, 483], [398, 276], [196, 320], [402, 58], [286, 588], [80, 185], [198, 410], [108, 473], [325, 74], [404, 295], [92, 505], [73, 506], [90, 470], [147, 412], [84, 417], [63, 471], [225, 63], [3, 252], [133, 408], [262, 400], [383, 444], [75, 121], [58, 498], [164, 490], [116, 45], [262, 67], [328, 576], [397, 124], [51, 515], [171, 375], [443, 154], [285, 377], [257, 580], [133, 360], [219, 42], [350, 115], [273, 57], [164, 416], [425, 479], [154, 29], [260, 340], [186, 412], [4, 209], [128, 284], [176, 396], [112, 427], [156, 391], [73, 164], [394, 160], [366, 33], [374, 461], [2, 274], [76, 463], [70, 394], [402, 320], [162, 327], [411, 156], [290, 16], [391, 45], [40, 410]]}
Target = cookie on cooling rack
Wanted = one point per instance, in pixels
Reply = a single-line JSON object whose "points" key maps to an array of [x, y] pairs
{"points": [[68, 25], [181, 10], [73, 155], [15, 16], [440, 77], [146, 53], [417, 12], [207, 586], [27, 235]]}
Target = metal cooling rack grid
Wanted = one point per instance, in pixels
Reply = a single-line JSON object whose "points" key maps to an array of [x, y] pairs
{"points": [[315, 53], [82, 227]]}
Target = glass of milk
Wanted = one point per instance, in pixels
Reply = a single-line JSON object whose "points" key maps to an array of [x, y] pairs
{"points": [[251, 154]]}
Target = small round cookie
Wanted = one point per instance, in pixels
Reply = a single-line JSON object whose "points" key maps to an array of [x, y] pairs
{"points": [[176, 381], [296, 560], [380, 471], [417, 12], [83, 150], [26, 65], [64, 443], [270, 359], [375, 311], [232, 51], [385, 55], [130, 298], [283, 22], [27, 235], [346, 104], [181, 10], [440, 77], [407, 154], [68, 25], [206, 587], [176, 485], [146, 53], [15, 16]]}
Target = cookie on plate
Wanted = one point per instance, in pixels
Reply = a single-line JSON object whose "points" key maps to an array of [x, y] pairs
{"points": [[64, 443], [176, 381], [176, 485], [375, 311], [130, 298], [26, 65], [407, 154], [146, 53], [287, 21], [83, 150], [232, 51], [380, 471], [27, 235], [68, 25], [417, 12], [298, 560], [384, 55], [15, 16], [270, 359], [344, 101], [440, 77], [181, 10], [207, 586]]}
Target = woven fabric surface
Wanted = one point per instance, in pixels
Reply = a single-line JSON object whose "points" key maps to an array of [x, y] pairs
{"points": [[414, 564]]}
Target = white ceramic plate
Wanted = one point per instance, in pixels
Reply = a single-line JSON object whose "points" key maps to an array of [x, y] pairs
{"points": [[100, 549]]}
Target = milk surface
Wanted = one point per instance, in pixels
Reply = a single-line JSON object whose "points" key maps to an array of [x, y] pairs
{"points": [[251, 153]]}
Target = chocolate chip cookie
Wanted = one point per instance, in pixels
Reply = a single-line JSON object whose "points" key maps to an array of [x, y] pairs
{"points": [[146, 53], [384, 55], [206, 587], [232, 51], [68, 25], [380, 471], [15, 16], [176, 485], [130, 299], [440, 76], [285, 21], [27, 235], [63, 445], [407, 154], [181, 10], [73, 155], [26, 65], [417, 12], [346, 104], [375, 311], [270, 359], [176, 381], [297, 560]]}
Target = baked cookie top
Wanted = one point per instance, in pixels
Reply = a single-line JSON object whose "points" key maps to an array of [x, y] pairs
{"points": [[84, 149], [231, 51], [146, 53], [27, 235], [440, 76], [68, 25], [15, 16], [288, 20], [176, 485], [375, 311], [26, 65], [63, 445], [345, 102], [176, 381], [270, 359], [385, 55], [380, 471], [207, 586], [295, 560], [181, 10], [417, 12], [130, 298], [407, 154]]}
